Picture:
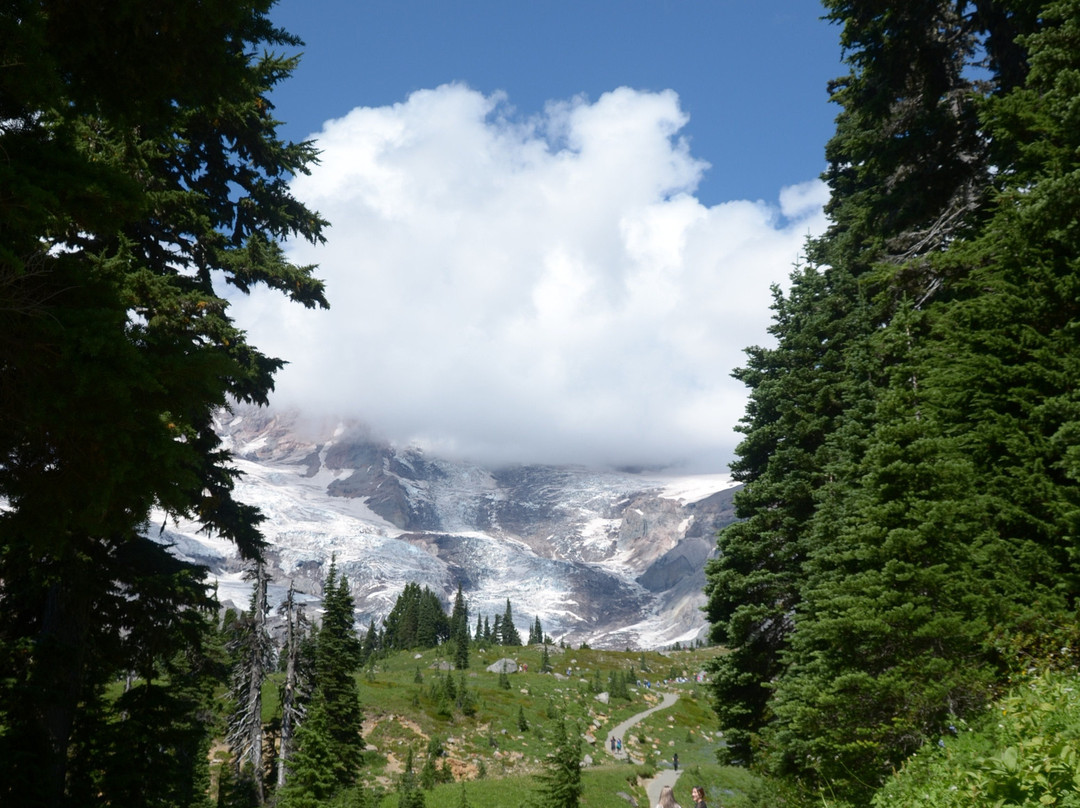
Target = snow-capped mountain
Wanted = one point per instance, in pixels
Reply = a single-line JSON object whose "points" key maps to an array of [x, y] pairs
{"points": [[612, 558]]}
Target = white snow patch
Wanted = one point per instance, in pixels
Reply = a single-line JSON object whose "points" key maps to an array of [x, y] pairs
{"points": [[694, 488]]}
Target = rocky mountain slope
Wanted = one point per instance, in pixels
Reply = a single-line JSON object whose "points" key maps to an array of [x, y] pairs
{"points": [[612, 558]]}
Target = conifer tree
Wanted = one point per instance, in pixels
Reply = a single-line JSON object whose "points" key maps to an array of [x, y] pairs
{"points": [[141, 170], [409, 793], [459, 630], [560, 782], [536, 634], [908, 487], [508, 633], [371, 643], [329, 745]]}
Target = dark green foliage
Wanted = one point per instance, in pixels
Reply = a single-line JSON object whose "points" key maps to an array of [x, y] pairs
{"points": [[466, 701], [560, 782], [508, 633], [522, 723], [328, 744], [371, 645], [409, 793], [545, 661], [459, 631], [141, 166], [428, 773], [536, 634], [417, 620], [910, 504], [617, 686]]}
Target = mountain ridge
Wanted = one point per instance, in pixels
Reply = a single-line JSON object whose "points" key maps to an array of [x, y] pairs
{"points": [[612, 558]]}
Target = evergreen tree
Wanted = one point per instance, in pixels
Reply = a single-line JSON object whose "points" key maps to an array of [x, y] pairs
{"points": [[409, 793], [459, 616], [508, 633], [536, 634], [560, 782], [459, 631], [463, 798], [545, 661], [371, 643], [141, 168], [910, 496], [417, 620], [151, 747], [329, 745], [801, 393]]}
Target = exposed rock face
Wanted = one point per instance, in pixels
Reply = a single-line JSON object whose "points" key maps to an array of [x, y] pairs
{"points": [[613, 558]]}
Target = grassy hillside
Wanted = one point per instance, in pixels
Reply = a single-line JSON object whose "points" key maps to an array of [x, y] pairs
{"points": [[493, 756]]}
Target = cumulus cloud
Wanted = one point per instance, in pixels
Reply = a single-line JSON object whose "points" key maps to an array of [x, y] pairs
{"points": [[531, 289]]}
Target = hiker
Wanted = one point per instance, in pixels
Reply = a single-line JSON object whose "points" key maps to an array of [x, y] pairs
{"points": [[697, 794], [667, 798], [675, 761], [618, 744], [613, 744]]}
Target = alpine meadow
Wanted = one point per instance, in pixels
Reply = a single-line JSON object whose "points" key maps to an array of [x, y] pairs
{"points": [[892, 619]]}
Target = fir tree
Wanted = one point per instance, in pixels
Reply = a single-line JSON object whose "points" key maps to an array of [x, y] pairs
{"points": [[560, 782], [329, 746], [907, 493], [141, 173], [508, 633], [459, 631], [409, 793], [536, 634]]}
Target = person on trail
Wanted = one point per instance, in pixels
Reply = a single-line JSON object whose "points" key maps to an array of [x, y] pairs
{"points": [[618, 744], [697, 794], [612, 744], [675, 761], [667, 798]]}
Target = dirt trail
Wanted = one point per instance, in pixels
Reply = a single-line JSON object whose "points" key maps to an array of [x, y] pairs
{"points": [[667, 777], [620, 730]]}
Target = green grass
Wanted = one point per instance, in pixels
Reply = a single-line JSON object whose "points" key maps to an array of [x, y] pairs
{"points": [[497, 761]]}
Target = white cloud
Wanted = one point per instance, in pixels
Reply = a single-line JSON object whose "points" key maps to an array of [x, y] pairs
{"points": [[544, 289]]}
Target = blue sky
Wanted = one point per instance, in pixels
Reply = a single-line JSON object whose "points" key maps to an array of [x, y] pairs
{"points": [[554, 225], [751, 74]]}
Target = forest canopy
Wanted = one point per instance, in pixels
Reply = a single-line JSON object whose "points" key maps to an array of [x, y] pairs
{"points": [[140, 172], [909, 455]]}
